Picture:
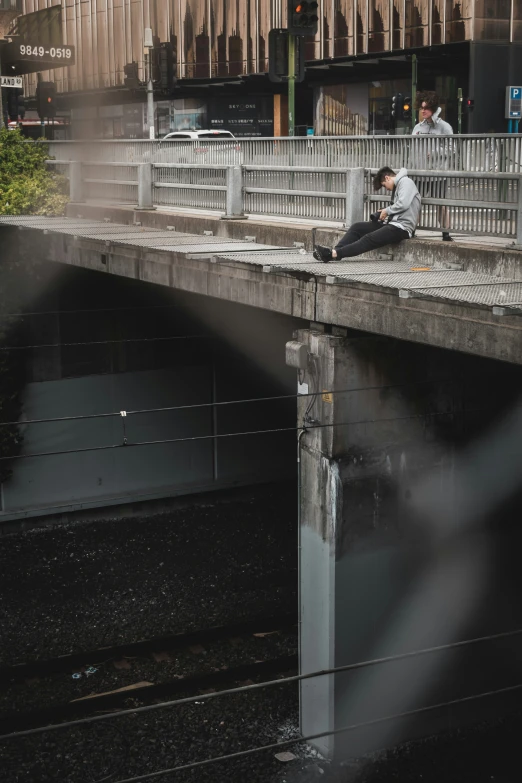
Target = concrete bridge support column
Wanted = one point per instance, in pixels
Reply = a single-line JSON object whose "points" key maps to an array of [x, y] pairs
{"points": [[399, 538]]}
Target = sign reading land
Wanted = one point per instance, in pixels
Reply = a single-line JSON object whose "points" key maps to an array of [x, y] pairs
{"points": [[11, 81]]}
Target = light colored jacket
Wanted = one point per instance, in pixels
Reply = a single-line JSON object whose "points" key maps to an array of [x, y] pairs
{"points": [[406, 205], [435, 126]]}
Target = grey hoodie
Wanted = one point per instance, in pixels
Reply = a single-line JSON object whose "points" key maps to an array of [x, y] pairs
{"points": [[435, 126], [406, 205]]}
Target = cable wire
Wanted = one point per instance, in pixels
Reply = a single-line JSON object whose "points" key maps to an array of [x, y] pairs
{"points": [[107, 342], [224, 402], [127, 444], [309, 737], [90, 310], [258, 686]]}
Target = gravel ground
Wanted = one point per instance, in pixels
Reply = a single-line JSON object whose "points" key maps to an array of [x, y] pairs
{"points": [[82, 586], [59, 689]]}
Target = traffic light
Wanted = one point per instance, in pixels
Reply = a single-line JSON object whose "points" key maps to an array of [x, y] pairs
{"points": [[302, 17], [164, 58], [131, 80], [397, 107], [406, 109], [46, 100], [278, 56], [15, 104], [469, 104]]}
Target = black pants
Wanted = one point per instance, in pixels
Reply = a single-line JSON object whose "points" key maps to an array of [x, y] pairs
{"points": [[362, 237]]}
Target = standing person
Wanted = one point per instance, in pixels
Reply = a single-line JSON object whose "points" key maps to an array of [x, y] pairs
{"points": [[429, 104], [387, 227]]}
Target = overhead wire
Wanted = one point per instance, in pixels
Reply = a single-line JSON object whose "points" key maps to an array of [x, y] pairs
{"points": [[261, 685], [320, 735], [128, 444], [90, 310], [275, 398], [106, 342]]}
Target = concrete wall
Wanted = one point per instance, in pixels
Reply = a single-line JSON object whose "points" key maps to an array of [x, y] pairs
{"points": [[409, 527], [239, 356]]}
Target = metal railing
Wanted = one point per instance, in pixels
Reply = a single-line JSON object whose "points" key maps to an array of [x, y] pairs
{"points": [[467, 202], [487, 153]]}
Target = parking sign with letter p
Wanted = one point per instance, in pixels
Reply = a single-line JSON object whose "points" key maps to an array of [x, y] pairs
{"points": [[513, 103]]}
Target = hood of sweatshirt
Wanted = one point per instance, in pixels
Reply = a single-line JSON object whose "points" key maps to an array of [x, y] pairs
{"points": [[401, 173], [435, 118]]}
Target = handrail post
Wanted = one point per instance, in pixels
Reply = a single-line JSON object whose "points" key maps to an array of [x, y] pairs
{"points": [[518, 241], [145, 200], [234, 199], [354, 196], [76, 182]]}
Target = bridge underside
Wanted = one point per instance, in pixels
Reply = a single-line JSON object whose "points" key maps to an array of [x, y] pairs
{"points": [[410, 457], [411, 295]]}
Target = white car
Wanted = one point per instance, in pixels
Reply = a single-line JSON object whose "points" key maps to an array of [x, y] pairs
{"points": [[204, 147]]}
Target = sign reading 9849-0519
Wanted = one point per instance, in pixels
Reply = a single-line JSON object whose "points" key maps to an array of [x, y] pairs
{"points": [[28, 51]]}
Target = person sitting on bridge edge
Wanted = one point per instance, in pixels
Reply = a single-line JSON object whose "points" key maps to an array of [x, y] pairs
{"points": [[387, 227]]}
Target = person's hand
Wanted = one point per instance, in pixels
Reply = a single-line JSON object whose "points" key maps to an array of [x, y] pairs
{"points": [[383, 215]]}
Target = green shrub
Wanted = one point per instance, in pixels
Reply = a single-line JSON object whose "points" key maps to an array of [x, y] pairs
{"points": [[26, 188], [26, 185]]}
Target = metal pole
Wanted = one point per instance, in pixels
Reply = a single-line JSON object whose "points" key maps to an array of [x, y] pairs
{"points": [[291, 85], [1, 104], [459, 106], [150, 99], [413, 90]]}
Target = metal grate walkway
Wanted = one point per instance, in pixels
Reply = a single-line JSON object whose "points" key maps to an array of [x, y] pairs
{"points": [[503, 295]]}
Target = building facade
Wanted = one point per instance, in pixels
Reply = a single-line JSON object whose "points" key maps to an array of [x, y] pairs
{"points": [[221, 46]]}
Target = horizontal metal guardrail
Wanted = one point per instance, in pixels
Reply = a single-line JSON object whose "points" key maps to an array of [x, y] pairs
{"points": [[494, 152], [467, 202]]}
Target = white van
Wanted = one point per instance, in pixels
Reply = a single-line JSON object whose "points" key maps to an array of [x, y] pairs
{"points": [[200, 151]]}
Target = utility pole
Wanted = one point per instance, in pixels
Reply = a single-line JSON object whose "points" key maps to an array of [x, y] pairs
{"points": [[291, 85], [148, 46], [459, 107], [302, 21], [414, 89]]}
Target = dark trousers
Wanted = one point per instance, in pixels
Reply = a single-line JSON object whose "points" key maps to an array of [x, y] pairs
{"points": [[362, 237]]}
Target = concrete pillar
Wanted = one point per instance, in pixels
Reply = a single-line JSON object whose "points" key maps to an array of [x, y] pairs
{"points": [[397, 480], [234, 203], [354, 196], [75, 182], [145, 194]]}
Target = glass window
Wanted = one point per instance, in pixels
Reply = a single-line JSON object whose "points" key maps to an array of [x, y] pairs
{"points": [[216, 134], [416, 23], [379, 25], [397, 23], [437, 20], [196, 41], [342, 110], [492, 20], [343, 28], [361, 23], [188, 114], [517, 20], [458, 20]]}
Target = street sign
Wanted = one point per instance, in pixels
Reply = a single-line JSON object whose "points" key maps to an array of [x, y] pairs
{"points": [[11, 81], [513, 103], [22, 56]]}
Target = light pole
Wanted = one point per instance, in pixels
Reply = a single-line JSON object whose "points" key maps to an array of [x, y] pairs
{"points": [[148, 46]]}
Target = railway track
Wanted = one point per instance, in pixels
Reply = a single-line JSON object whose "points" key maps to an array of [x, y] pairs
{"points": [[143, 672]]}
